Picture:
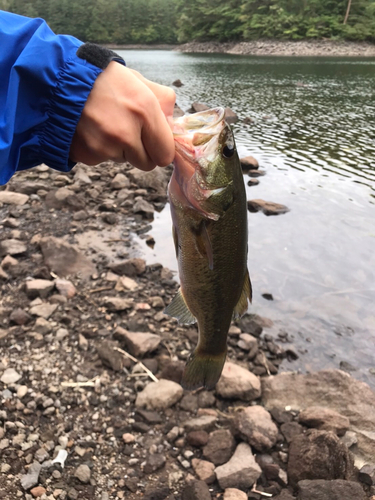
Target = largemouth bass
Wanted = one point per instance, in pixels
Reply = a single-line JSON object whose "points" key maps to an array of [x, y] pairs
{"points": [[209, 213]]}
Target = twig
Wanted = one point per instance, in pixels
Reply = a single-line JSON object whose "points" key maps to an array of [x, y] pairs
{"points": [[88, 383], [167, 347], [149, 373], [119, 240], [262, 493], [102, 289], [265, 364]]}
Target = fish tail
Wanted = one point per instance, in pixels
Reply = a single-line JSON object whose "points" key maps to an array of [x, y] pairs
{"points": [[203, 370]]}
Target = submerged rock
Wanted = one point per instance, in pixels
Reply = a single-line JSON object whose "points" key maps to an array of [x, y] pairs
{"points": [[267, 207]]}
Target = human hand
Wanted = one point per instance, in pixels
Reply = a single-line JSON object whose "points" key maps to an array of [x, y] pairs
{"points": [[126, 118]]}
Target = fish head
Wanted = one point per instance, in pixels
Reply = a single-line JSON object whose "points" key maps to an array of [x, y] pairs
{"points": [[206, 161]]}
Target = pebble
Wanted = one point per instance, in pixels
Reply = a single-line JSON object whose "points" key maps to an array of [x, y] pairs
{"points": [[128, 438], [154, 462], [38, 491], [138, 343], [197, 490], [83, 473], [65, 288], [197, 438], [43, 310], [10, 376], [12, 198], [241, 471], [234, 494], [255, 425], [22, 391], [39, 288], [159, 395], [31, 479], [202, 423], [237, 382], [12, 247], [220, 446], [267, 207], [204, 470]]}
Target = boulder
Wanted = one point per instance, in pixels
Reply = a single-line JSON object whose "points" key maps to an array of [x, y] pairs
{"points": [[318, 455], [254, 424], [330, 490], [332, 389], [324, 419], [237, 382], [241, 471]]}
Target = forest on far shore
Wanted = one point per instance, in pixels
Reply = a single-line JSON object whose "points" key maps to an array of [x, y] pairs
{"points": [[179, 21]]}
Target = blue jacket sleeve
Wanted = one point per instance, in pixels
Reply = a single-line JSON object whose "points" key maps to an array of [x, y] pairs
{"points": [[43, 88]]}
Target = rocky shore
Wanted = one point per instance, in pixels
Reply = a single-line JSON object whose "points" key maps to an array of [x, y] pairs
{"points": [[319, 48], [91, 405]]}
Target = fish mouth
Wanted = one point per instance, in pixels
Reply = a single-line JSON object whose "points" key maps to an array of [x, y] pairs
{"points": [[202, 122]]}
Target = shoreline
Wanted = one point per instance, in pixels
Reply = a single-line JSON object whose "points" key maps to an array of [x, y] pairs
{"points": [[301, 48]]}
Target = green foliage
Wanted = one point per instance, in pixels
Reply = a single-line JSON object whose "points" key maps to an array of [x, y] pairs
{"points": [[169, 21]]}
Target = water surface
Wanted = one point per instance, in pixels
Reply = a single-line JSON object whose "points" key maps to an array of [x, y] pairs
{"points": [[313, 132]]}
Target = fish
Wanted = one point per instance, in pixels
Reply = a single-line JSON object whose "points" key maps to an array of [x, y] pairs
{"points": [[209, 215]]}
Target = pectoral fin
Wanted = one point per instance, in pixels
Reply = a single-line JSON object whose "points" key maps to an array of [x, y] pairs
{"points": [[246, 294], [179, 310], [203, 244]]}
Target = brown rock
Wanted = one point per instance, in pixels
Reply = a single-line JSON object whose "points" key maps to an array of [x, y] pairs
{"points": [[12, 247], [197, 438], [220, 446], [130, 267], [65, 288], [238, 383], [110, 357], [330, 490], [241, 471], [204, 470], [12, 198], [38, 491], [291, 429], [234, 494], [116, 304], [19, 317], [255, 425], [324, 419], [267, 207], [39, 288], [177, 83], [64, 198], [249, 163], [138, 343], [230, 116], [318, 455], [197, 107]]}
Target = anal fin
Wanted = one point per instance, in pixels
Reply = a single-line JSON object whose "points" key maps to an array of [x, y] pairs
{"points": [[246, 295], [179, 310]]}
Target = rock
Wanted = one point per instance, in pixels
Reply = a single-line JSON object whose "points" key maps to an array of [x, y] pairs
{"points": [[177, 83], [39, 288], [230, 116], [12, 198], [128, 438], [65, 259], [241, 471], [138, 343], [197, 107], [130, 267], [173, 370], [154, 462], [177, 111], [120, 182], [330, 490], [256, 173], [44, 310], [253, 182], [249, 324], [65, 288], [318, 455], [249, 163], [248, 343], [204, 470], [32, 477], [125, 283], [197, 438], [64, 198], [284, 495], [156, 179], [144, 208], [197, 490], [22, 391], [8, 262], [3, 274], [12, 247], [367, 475], [333, 389], [80, 175], [238, 383], [159, 395], [254, 424], [116, 304], [291, 429], [234, 494], [220, 446], [267, 207], [110, 357], [324, 419], [83, 473], [19, 317], [202, 423], [10, 376]]}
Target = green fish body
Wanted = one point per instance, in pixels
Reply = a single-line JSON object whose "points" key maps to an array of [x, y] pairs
{"points": [[209, 212]]}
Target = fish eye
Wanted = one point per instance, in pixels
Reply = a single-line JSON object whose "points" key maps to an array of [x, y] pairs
{"points": [[228, 150]]}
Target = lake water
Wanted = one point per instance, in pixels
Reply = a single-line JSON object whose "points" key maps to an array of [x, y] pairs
{"points": [[314, 135]]}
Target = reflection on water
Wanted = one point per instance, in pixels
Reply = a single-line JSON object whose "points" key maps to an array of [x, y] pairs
{"points": [[313, 131]]}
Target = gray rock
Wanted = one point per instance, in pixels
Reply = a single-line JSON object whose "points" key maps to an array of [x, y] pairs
{"points": [[144, 208], [65, 288], [284, 495], [367, 474], [130, 267], [159, 395], [154, 462], [324, 419], [255, 425], [12, 247], [157, 179], [20, 317], [241, 471], [204, 470], [291, 429], [333, 389], [110, 357], [138, 343], [12, 198], [65, 259], [116, 304], [10, 376], [44, 310], [201, 423], [230, 116], [197, 490], [238, 383], [39, 288], [234, 494], [32, 477], [83, 473], [318, 455], [330, 490], [220, 446], [267, 207], [64, 197], [120, 182]]}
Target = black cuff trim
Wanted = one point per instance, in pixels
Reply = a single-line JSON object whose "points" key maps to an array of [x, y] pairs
{"points": [[97, 55]]}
